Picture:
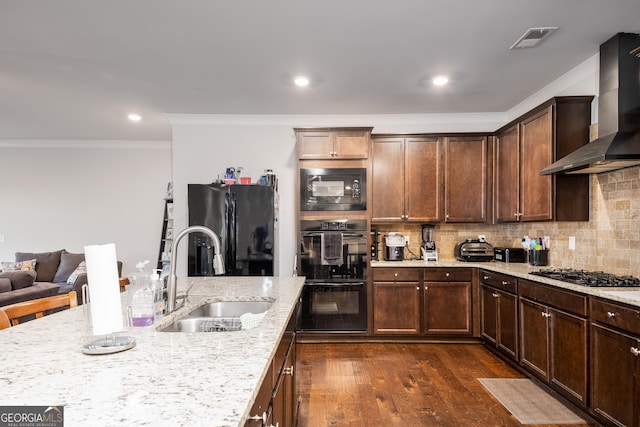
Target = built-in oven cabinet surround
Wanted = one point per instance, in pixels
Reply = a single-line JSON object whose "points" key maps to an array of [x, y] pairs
{"points": [[333, 189]]}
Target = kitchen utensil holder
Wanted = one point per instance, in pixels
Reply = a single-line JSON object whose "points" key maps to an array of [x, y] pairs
{"points": [[538, 257]]}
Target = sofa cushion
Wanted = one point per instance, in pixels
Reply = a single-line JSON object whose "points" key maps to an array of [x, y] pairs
{"points": [[25, 265], [46, 265], [38, 290], [68, 263], [20, 279], [5, 284]]}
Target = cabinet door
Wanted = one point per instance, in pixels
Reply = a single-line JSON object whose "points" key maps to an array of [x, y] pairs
{"points": [[534, 327], [508, 324], [423, 179], [351, 145], [396, 308], [387, 173], [447, 308], [315, 145], [614, 375], [568, 338], [536, 154], [507, 181], [489, 314], [465, 179]]}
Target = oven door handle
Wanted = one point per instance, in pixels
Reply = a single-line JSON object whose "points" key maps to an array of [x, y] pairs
{"points": [[354, 284]]}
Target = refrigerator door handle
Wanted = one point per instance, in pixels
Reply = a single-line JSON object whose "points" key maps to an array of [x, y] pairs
{"points": [[233, 214]]}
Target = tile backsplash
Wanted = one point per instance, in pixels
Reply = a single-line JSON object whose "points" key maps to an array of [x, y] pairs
{"points": [[609, 241]]}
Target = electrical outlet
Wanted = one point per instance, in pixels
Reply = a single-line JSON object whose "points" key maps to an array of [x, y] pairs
{"points": [[406, 240], [572, 243]]}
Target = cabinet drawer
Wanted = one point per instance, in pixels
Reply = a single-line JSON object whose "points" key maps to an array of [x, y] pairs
{"points": [[443, 274], [396, 274], [616, 315], [568, 301], [500, 281]]}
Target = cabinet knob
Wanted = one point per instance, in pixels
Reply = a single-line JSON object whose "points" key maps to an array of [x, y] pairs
{"points": [[395, 274], [610, 314], [446, 274], [545, 314], [504, 282], [495, 295], [485, 277], [288, 371], [634, 351], [418, 288], [515, 214], [447, 216]]}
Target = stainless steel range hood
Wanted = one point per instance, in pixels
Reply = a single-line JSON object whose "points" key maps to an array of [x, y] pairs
{"points": [[618, 144]]}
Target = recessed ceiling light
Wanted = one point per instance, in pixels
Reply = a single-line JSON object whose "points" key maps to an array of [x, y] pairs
{"points": [[301, 81], [440, 80], [134, 117]]}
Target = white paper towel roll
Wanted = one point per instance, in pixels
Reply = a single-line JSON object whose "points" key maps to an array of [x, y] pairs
{"points": [[104, 288]]}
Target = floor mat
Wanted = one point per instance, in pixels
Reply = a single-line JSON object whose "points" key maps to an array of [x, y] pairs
{"points": [[529, 403]]}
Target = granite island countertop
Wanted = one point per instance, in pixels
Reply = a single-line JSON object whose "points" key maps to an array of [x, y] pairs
{"points": [[167, 379], [629, 295]]}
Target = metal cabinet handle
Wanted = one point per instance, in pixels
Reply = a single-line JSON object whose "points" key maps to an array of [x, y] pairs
{"points": [[545, 314], [610, 314], [288, 371], [262, 417], [634, 351], [515, 214]]}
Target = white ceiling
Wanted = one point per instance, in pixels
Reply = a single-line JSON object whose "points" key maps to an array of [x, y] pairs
{"points": [[73, 69]]}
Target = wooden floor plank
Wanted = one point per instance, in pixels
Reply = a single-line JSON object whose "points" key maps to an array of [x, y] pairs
{"points": [[389, 384]]}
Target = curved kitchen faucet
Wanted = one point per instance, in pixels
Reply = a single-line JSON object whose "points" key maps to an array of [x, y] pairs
{"points": [[172, 284]]}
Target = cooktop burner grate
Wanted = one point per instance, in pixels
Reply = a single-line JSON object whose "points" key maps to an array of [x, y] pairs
{"points": [[587, 278]]}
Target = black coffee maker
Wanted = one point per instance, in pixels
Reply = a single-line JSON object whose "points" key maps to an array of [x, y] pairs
{"points": [[428, 247]]}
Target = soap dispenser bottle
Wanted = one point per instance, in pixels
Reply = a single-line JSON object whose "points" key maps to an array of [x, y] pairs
{"points": [[142, 298], [157, 285]]}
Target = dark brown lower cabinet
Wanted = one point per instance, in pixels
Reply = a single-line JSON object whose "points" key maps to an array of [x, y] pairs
{"points": [[499, 312], [615, 363], [447, 308], [422, 301], [277, 399], [554, 338]]}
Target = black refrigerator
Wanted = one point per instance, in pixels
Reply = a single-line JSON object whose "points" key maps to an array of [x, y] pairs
{"points": [[243, 218]]}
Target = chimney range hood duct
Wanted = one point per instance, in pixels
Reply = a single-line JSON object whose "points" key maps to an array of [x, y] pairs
{"points": [[618, 145]]}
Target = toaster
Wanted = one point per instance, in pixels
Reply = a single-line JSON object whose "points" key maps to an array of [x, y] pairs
{"points": [[474, 250], [510, 254]]}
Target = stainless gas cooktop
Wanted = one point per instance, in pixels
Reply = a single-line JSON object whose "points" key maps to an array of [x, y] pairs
{"points": [[587, 278]]}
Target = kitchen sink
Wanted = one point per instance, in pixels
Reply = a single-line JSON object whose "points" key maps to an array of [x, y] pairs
{"points": [[220, 316]]}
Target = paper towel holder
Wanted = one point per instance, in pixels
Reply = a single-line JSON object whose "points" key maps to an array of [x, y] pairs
{"points": [[108, 343]]}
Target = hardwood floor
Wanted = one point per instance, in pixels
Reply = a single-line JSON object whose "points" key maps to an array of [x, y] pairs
{"points": [[399, 385]]}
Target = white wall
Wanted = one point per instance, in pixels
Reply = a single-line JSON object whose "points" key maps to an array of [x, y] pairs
{"points": [[68, 194]]}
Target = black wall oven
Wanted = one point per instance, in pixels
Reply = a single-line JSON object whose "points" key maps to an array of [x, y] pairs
{"points": [[333, 189], [333, 257]]}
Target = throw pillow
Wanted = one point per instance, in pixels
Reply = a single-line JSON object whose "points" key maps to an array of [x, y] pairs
{"points": [[6, 266], [25, 265], [68, 263], [5, 284], [47, 263], [81, 269], [20, 279]]}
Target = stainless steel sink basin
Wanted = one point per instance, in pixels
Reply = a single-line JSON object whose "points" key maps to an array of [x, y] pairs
{"points": [[220, 316]]}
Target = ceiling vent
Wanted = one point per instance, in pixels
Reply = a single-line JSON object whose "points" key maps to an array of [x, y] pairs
{"points": [[533, 37]]}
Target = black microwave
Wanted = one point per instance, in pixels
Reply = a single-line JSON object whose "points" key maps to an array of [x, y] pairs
{"points": [[333, 189]]}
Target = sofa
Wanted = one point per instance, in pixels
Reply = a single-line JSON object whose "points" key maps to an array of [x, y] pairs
{"points": [[57, 272]]}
